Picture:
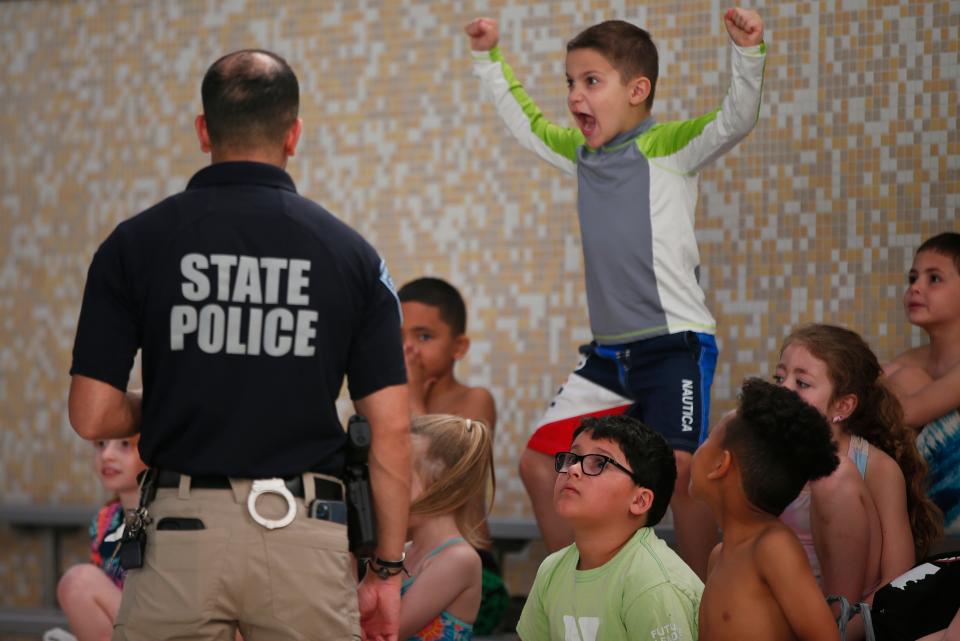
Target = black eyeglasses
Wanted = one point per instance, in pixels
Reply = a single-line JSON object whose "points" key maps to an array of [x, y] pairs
{"points": [[591, 464]]}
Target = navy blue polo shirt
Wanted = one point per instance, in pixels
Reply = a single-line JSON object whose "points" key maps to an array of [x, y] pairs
{"points": [[251, 304]]}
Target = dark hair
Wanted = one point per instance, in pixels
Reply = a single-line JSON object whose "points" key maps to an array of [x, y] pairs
{"points": [[648, 453], [780, 442], [853, 368], [947, 243], [440, 294], [250, 98], [628, 48]]}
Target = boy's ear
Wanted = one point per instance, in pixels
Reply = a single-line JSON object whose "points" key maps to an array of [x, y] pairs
{"points": [[461, 345], [638, 90], [721, 467], [642, 501]]}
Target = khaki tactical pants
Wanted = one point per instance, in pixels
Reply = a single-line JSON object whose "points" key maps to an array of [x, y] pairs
{"points": [[295, 582]]}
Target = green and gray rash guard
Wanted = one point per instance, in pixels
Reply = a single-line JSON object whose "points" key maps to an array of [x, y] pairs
{"points": [[636, 200]]}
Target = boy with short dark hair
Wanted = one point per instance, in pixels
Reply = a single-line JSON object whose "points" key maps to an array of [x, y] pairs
{"points": [[926, 379], [618, 580], [434, 339], [752, 465], [653, 353]]}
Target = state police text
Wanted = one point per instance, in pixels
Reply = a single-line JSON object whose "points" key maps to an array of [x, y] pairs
{"points": [[282, 324]]}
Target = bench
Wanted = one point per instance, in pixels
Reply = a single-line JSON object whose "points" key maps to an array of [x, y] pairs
{"points": [[512, 533], [30, 621], [49, 523]]}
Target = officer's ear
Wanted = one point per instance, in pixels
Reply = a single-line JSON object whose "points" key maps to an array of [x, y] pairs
{"points": [[200, 124], [292, 138]]}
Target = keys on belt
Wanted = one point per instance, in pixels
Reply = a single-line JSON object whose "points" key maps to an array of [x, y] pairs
{"points": [[133, 543]]}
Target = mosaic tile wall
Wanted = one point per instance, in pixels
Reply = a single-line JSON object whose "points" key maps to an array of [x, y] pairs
{"points": [[855, 160]]}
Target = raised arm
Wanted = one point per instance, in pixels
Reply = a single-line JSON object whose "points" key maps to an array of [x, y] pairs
{"points": [[387, 412], [689, 145], [523, 118]]}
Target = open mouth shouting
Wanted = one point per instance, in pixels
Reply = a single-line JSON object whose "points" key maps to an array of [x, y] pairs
{"points": [[586, 123]]}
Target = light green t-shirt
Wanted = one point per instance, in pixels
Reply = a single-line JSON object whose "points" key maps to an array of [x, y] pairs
{"points": [[644, 593]]}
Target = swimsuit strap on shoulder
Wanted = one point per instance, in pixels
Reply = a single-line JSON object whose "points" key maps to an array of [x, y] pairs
{"points": [[440, 548]]}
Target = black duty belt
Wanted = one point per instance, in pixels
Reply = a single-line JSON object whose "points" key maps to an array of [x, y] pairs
{"points": [[324, 489]]}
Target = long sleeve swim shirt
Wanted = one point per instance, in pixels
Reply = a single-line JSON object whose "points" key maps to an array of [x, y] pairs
{"points": [[637, 197]]}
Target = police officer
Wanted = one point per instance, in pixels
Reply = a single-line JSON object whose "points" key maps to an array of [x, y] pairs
{"points": [[250, 304]]}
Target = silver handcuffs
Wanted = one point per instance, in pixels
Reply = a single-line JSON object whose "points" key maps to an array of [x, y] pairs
{"points": [[271, 486]]}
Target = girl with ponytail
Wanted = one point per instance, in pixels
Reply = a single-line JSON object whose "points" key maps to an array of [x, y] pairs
{"points": [[834, 370], [452, 470]]}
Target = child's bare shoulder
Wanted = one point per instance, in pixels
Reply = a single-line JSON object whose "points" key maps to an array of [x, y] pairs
{"points": [[776, 535], [776, 547], [886, 467], [478, 395], [914, 357], [748, 554], [460, 555], [839, 485], [472, 402]]}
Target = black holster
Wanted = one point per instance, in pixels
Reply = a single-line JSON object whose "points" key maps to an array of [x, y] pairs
{"points": [[361, 518]]}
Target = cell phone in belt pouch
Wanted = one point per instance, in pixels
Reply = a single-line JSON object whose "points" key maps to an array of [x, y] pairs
{"points": [[333, 511]]}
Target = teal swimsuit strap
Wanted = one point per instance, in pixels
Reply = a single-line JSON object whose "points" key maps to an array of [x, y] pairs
{"points": [[443, 546], [407, 582]]}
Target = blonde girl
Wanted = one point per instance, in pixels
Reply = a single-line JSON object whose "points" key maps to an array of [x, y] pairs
{"points": [[452, 469]]}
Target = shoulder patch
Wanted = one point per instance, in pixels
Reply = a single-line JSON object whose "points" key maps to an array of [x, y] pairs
{"points": [[387, 281]]}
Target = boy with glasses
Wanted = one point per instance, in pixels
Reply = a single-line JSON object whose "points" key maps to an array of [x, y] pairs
{"points": [[618, 580]]}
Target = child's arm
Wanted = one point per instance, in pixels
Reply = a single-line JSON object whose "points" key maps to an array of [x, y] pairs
{"points": [[923, 398], [841, 531], [689, 145], [436, 588], [889, 491], [745, 27], [553, 143], [534, 624], [782, 564]]}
